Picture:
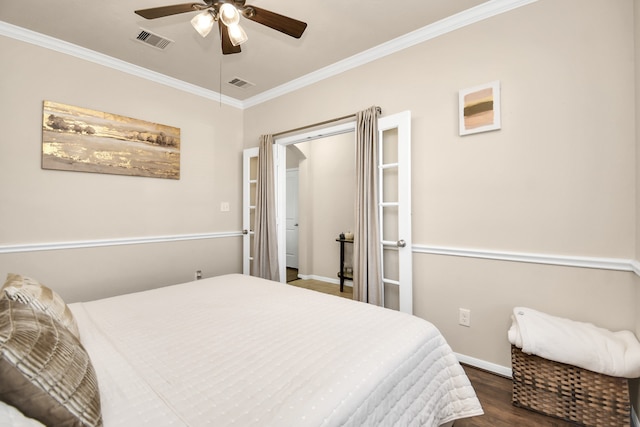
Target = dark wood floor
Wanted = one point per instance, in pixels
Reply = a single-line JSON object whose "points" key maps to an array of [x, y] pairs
{"points": [[494, 393]]}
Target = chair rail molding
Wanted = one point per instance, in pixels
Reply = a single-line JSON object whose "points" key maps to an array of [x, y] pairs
{"points": [[36, 247], [618, 264]]}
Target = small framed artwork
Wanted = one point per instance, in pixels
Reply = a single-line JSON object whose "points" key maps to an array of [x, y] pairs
{"points": [[479, 108]]}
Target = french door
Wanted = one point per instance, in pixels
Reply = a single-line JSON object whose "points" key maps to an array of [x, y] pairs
{"points": [[394, 209], [249, 180], [394, 178]]}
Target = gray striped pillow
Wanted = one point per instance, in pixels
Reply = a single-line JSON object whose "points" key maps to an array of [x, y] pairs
{"points": [[46, 373], [30, 291]]}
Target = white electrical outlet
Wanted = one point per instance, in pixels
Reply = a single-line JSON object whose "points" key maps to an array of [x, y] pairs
{"points": [[224, 207], [464, 317], [198, 275]]}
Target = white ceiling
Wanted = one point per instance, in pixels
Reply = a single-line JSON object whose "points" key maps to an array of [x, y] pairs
{"points": [[337, 30]]}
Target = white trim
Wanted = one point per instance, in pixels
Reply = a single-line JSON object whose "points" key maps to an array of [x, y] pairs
{"points": [[36, 247], [468, 17], [318, 133], [61, 46], [347, 282], [444, 26], [563, 260], [483, 364]]}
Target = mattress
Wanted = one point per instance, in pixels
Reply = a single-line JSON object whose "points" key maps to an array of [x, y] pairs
{"points": [[236, 350]]}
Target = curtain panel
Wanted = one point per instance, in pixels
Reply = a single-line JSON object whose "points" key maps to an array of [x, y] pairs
{"points": [[265, 249], [367, 272]]}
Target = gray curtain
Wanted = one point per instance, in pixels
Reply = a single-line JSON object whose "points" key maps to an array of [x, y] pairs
{"points": [[265, 249], [367, 272]]}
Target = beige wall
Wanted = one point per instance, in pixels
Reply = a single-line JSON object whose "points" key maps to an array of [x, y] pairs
{"points": [[558, 179], [45, 206], [327, 181]]}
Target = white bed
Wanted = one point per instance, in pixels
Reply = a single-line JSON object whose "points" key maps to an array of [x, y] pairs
{"points": [[235, 350]]}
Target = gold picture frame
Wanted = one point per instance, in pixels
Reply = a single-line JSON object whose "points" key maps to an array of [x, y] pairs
{"points": [[83, 140]]}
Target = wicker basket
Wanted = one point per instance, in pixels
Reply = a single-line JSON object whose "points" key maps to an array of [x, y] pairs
{"points": [[568, 392]]}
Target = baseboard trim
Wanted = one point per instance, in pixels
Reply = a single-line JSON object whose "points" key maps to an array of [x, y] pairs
{"points": [[36, 247], [484, 365], [331, 280]]}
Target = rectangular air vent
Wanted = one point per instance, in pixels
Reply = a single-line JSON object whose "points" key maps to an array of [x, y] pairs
{"points": [[238, 82], [152, 39]]}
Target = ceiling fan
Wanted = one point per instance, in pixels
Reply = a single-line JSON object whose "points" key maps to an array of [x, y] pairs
{"points": [[227, 14]]}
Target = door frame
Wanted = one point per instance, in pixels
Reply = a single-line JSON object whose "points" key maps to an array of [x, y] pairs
{"points": [[402, 121], [281, 180]]}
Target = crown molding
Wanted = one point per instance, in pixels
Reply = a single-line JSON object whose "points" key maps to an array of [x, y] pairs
{"points": [[444, 26], [32, 37]]}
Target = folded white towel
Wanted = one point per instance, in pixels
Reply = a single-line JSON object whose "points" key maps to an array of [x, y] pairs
{"points": [[575, 343]]}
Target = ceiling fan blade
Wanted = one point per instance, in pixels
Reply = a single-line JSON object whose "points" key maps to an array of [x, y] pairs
{"points": [[159, 12], [227, 47], [284, 24]]}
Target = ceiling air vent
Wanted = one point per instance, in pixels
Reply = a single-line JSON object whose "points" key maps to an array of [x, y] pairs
{"points": [[152, 39], [238, 82]]}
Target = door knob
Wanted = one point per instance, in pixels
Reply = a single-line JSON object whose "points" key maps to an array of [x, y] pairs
{"points": [[401, 243], [245, 231]]}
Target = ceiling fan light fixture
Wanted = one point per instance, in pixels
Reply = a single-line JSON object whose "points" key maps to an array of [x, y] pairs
{"points": [[203, 22], [226, 13], [229, 14], [237, 35]]}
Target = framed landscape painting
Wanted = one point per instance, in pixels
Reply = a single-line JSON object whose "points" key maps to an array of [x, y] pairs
{"points": [[479, 108], [83, 140]]}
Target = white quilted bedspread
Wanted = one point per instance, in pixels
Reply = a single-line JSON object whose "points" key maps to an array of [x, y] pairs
{"points": [[239, 351]]}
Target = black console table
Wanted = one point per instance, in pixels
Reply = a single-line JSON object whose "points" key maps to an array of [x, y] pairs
{"points": [[341, 274]]}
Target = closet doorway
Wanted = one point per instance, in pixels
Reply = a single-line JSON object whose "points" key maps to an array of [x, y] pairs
{"points": [[325, 192], [394, 177]]}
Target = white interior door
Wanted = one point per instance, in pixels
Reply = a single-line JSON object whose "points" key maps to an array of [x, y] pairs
{"points": [[292, 218], [394, 209], [249, 180]]}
